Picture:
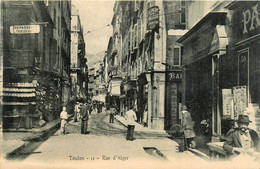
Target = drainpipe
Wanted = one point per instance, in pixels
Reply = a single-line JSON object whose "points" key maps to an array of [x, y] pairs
{"points": [[1, 66], [184, 74]]}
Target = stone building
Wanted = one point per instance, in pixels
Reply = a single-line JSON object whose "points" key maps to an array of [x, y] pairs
{"points": [[221, 79], [78, 64], [96, 83], [146, 59], [36, 58]]}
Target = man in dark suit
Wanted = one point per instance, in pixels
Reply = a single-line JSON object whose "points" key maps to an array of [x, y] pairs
{"points": [[242, 139], [84, 118]]}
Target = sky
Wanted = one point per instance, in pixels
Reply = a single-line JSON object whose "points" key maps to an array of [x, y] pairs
{"points": [[95, 15]]}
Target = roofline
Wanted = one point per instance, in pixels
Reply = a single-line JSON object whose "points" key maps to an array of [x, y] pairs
{"points": [[206, 18]]}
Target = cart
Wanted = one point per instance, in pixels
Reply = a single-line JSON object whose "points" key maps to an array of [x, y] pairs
{"points": [[177, 134]]}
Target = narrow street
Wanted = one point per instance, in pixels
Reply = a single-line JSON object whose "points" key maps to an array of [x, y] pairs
{"points": [[105, 143]]}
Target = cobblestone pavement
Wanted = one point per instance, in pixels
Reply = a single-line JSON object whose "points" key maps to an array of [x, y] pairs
{"points": [[105, 144]]}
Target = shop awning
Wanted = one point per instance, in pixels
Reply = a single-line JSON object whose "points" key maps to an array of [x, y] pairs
{"points": [[130, 85], [220, 39], [115, 89], [100, 98], [122, 96], [19, 94], [114, 86], [206, 38], [142, 80]]}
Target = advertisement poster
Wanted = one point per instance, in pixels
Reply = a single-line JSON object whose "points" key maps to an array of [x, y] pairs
{"points": [[240, 99], [227, 98]]}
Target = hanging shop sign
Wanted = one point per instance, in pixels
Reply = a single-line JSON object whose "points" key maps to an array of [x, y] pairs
{"points": [[24, 29], [115, 88], [153, 17], [174, 76]]}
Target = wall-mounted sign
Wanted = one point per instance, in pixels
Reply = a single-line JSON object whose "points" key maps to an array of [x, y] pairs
{"points": [[153, 17], [251, 19], [175, 76], [24, 29]]}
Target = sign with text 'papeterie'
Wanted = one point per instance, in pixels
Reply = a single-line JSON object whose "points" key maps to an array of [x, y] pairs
{"points": [[24, 29]]}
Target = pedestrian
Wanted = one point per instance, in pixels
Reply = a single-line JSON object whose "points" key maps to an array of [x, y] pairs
{"points": [[90, 107], [64, 117], [242, 140], [30, 111], [130, 116], [145, 116], [84, 118], [112, 113], [76, 112], [188, 124]]}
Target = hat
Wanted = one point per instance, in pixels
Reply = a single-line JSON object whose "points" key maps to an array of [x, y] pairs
{"points": [[184, 108], [243, 119]]}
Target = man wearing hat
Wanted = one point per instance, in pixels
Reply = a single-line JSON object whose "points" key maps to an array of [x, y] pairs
{"points": [[188, 124], [84, 118], [242, 139]]}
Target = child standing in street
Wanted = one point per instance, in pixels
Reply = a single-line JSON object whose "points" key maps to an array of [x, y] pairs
{"points": [[64, 118]]}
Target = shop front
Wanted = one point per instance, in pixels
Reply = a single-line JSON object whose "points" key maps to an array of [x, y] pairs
{"points": [[203, 57], [245, 50], [114, 93], [141, 96], [173, 98], [130, 90]]}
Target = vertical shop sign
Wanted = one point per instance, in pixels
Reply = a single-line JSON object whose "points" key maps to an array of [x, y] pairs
{"points": [[240, 99], [172, 105], [1, 66]]}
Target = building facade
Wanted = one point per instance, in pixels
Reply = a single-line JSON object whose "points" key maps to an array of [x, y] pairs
{"points": [[145, 59], [96, 84], [36, 54], [220, 65], [78, 64]]}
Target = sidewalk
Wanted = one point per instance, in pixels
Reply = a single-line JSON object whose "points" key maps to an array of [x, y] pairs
{"points": [[170, 144], [15, 140], [139, 127]]}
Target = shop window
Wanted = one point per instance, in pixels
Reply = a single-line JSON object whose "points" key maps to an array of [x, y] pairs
{"points": [[176, 56], [243, 66], [183, 12], [151, 3], [54, 17]]}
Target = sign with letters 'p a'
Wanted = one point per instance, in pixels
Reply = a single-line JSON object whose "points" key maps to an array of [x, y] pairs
{"points": [[24, 29]]}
